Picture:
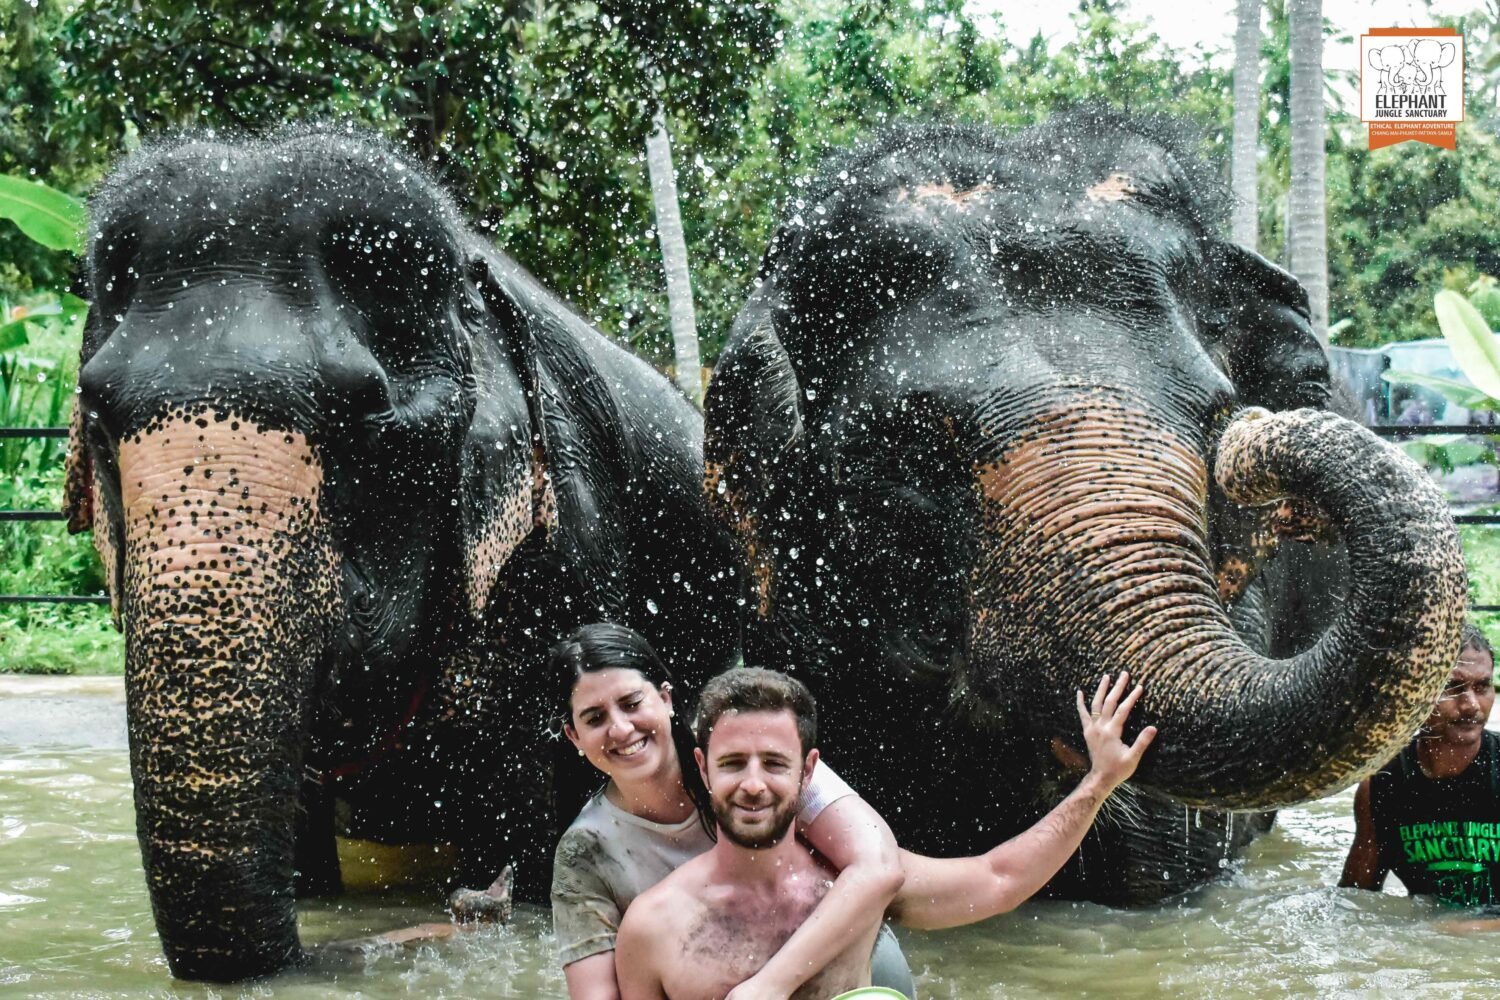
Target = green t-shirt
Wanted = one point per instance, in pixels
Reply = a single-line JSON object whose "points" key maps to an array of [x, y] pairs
{"points": [[1441, 836]]}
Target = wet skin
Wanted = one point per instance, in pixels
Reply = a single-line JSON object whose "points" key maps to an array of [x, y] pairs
{"points": [[1451, 737], [1006, 413], [351, 471], [622, 725], [713, 923], [755, 776]]}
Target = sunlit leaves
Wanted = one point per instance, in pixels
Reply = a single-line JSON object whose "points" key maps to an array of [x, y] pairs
{"points": [[52, 218]]}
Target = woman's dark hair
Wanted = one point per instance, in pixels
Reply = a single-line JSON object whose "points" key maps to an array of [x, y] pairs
{"points": [[606, 646]]}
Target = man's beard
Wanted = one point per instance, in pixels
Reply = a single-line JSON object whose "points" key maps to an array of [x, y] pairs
{"points": [[769, 836]]}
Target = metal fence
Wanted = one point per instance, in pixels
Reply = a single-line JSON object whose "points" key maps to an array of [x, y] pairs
{"points": [[1415, 430], [39, 515]]}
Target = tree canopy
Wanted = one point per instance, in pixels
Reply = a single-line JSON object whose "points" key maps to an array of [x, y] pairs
{"points": [[535, 113]]}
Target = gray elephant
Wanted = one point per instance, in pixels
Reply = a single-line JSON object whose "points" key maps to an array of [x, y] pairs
{"points": [[1004, 414], [351, 471]]}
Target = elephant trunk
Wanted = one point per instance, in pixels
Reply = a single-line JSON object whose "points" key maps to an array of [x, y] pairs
{"points": [[1097, 560], [228, 603]]}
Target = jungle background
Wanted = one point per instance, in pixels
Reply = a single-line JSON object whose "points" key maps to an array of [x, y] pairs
{"points": [[536, 114]]}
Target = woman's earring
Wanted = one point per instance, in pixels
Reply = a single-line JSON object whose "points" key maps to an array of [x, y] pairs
{"points": [[580, 751]]}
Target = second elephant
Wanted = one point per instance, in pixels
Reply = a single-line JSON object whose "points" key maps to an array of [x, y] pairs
{"points": [[1006, 414]]}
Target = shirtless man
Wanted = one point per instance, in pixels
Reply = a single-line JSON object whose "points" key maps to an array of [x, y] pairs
{"points": [[714, 922]]}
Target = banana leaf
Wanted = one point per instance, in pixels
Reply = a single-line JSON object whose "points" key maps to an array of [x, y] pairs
{"points": [[1456, 392], [53, 219], [1474, 347]]}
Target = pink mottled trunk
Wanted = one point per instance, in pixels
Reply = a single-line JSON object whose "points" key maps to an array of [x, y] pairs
{"points": [[1097, 560], [230, 586]]}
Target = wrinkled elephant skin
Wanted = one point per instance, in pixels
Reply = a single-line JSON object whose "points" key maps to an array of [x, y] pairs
{"points": [[351, 472], [1005, 414]]}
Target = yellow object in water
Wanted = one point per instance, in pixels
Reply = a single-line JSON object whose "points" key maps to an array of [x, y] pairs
{"points": [[871, 993], [366, 865]]}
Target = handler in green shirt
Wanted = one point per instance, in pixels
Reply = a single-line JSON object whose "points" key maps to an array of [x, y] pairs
{"points": [[1432, 815]]}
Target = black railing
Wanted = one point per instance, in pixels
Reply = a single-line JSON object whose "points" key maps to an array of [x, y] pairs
{"points": [[40, 515], [1421, 430], [1401, 431]]}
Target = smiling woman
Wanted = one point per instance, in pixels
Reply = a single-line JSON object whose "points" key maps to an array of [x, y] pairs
{"points": [[653, 815]]}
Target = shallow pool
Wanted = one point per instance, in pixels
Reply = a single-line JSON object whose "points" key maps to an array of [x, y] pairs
{"points": [[75, 919]]}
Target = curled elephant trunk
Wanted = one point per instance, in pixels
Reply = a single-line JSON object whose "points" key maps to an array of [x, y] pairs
{"points": [[228, 599], [1097, 560]]}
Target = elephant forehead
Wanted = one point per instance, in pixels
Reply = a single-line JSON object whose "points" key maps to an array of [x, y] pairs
{"points": [[268, 197]]}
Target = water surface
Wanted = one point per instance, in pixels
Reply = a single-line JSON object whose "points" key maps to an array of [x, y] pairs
{"points": [[75, 919]]}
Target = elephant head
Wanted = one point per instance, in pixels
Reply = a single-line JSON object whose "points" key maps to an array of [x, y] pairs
{"points": [[1388, 60], [1426, 58], [308, 439], [1005, 414]]}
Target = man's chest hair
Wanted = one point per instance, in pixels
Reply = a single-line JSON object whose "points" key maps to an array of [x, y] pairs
{"points": [[722, 949], [740, 932]]}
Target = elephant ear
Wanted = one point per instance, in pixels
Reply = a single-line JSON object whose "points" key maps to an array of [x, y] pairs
{"points": [[84, 508], [752, 424], [504, 502], [1263, 331]]}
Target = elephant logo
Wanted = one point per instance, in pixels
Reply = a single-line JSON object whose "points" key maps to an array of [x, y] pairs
{"points": [[1402, 91], [1425, 59], [1387, 60]]}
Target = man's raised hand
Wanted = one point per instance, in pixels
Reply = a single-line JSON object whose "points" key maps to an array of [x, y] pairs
{"points": [[1112, 760]]}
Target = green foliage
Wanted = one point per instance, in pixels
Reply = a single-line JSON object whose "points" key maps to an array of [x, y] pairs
{"points": [[1484, 295], [1481, 544], [43, 136], [59, 639], [1447, 452], [1415, 218], [535, 112], [38, 370], [49, 217], [36, 390], [1401, 220]]}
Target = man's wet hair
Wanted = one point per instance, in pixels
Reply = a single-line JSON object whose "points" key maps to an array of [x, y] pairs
{"points": [[1473, 637], [755, 689]]}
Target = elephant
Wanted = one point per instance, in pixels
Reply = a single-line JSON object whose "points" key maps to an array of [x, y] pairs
{"points": [[350, 471], [1426, 58], [1003, 414], [1388, 61]]}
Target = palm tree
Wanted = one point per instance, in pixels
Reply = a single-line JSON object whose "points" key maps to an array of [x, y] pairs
{"points": [[674, 258], [1307, 238], [1246, 121]]}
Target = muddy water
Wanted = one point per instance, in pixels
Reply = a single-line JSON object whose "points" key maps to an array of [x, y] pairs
{"points": [[75, 919]]}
